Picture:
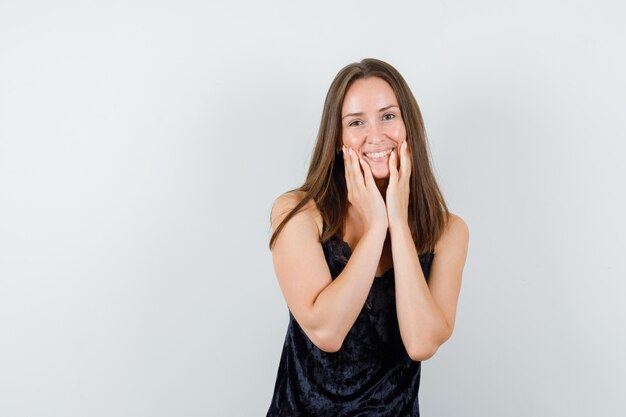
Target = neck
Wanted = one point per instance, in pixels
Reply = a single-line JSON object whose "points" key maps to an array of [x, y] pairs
{"points": [[382, 186]]}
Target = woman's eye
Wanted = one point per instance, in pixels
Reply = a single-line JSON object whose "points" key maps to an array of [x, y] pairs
{"points": [[390, 114], [353, 123]]}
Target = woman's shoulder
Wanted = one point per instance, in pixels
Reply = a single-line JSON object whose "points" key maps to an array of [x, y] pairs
{"points": [[286, 202], [456, 229], [454, 220]]}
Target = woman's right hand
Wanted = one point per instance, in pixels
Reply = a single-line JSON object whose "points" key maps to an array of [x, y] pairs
{"points": [[363, 193]]}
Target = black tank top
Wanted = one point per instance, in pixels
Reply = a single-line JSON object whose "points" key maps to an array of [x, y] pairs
{"points": [[370, 376]]}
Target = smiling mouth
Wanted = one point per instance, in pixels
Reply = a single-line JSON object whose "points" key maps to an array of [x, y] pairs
{"points": [[378, 156]]}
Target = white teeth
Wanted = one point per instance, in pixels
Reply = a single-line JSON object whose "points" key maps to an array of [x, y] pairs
{"points": [[378, 154]]}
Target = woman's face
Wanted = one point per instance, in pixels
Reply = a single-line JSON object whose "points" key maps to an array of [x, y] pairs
{"points": [[371, 123]]}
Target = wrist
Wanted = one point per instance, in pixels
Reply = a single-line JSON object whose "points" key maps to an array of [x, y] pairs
{"points": [[377, 229], [399, 226]]}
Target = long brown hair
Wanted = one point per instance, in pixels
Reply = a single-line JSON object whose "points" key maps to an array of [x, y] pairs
{"points": [[325, 182]]}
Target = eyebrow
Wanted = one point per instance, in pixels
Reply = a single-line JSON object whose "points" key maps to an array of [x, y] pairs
{"points": [[361, 113]]}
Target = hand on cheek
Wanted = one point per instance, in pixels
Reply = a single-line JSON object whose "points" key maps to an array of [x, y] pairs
{"points": [[362, 191], [397, 197]]}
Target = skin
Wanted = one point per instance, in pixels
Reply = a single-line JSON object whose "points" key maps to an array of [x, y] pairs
{"points": [[426, 311], [378, 127], [377, 231], [371, 121]]}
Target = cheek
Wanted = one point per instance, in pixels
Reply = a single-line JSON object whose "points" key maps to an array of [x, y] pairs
{"points": [[352, 140], [399, 135]]}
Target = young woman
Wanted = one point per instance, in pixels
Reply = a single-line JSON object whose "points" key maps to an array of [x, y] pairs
{"points": [[367, 256]]}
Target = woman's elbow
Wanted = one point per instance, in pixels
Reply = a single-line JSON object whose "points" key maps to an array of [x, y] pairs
{"points": [[327, 342], [423, 352], [328, 347], [427, 350]]}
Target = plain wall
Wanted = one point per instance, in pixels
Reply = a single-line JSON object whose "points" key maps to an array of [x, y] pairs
{"points": [[143, 143]]}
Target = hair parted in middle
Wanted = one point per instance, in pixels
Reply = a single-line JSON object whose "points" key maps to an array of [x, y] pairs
{"points": [[325, 182]]}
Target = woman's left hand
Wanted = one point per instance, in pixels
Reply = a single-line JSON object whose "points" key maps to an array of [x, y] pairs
{"points": [[397, 197]]}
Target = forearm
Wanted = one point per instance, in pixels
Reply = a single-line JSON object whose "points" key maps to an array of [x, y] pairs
{"points": [[423, 326], [339, 304]]}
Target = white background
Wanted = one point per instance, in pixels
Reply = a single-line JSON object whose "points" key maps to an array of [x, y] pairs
{"points": [[143, 143]]}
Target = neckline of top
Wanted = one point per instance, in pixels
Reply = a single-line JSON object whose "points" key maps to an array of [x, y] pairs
{"points": [[349, 249], [347, 246]]}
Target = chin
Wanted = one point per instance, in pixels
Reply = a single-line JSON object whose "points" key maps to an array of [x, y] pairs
{"points": [[381, 175]]}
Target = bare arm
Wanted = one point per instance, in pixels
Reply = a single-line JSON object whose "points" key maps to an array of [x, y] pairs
{"points": [[326, 309], [426, 311]]}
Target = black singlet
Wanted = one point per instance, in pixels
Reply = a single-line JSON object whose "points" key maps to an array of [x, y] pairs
{"points": [[370, 376]]}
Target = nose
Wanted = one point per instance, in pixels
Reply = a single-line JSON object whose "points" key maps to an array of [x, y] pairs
{"points": [[376, 133]]}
